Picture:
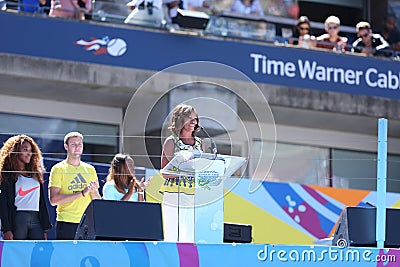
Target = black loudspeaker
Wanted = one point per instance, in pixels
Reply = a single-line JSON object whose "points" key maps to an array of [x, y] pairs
{"points": [[357, 228], [238, 233], [121, 220], [191, 19]]}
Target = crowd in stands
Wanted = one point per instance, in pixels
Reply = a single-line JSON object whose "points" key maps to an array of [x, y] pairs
{"points": [[367, 42], [385, 41]]}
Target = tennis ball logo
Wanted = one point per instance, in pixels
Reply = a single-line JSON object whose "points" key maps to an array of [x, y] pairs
{"points": [[116, 47]]}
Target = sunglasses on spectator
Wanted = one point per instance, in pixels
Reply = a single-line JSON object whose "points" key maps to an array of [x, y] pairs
{"points": [[333, 27], [304, 29], [363, 35]]}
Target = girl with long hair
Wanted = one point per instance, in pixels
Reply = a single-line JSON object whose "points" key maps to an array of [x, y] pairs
{"points": [[121, 181]]}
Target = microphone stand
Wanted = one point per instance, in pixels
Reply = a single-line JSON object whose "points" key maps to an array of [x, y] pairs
{"points": [[213, 146]]}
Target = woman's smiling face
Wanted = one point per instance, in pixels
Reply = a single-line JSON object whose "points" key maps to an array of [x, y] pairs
{"points": [[25, 153], [190, 122]]}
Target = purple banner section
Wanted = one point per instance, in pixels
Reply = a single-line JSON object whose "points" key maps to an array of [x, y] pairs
{"points": [[188, 255], [160, 254], [156, 50]]}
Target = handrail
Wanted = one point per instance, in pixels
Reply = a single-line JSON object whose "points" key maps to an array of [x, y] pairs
{"points": [[281, 20]]}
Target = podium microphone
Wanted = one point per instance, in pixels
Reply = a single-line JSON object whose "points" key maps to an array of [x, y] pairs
{"points": [[213, 146]]}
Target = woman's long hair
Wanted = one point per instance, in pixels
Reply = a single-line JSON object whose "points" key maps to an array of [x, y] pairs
{"points": [[120, 173], [178, 119], [9, 154]]}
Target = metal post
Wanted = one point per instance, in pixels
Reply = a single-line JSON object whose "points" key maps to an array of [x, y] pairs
{"points": [[381, 183]]}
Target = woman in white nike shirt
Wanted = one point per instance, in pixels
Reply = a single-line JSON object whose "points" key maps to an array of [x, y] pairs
{"points": [[23, 210]]}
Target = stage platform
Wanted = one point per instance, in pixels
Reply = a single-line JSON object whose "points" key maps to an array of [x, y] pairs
{"points": [[160, 254]]}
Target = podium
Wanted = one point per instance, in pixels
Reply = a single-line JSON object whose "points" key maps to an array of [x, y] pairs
{"points": [[205, 214]]}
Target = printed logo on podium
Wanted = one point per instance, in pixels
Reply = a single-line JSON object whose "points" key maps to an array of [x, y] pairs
{"points": [[206, 179]]}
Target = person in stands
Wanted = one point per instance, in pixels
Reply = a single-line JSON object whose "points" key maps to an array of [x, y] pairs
{"points": [[331, 39], [302, 34], [75, 9], [390, 32], [247, 7], [369, 43]]}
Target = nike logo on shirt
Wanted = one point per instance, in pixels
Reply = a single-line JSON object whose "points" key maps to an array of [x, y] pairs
{"points": [[23, 193]]}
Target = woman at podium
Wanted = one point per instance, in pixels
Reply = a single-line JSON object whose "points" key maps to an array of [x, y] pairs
{"points": [[178, 191]]}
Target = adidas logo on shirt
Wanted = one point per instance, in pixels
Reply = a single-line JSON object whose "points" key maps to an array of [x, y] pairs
{"points": [[77, 183]]}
